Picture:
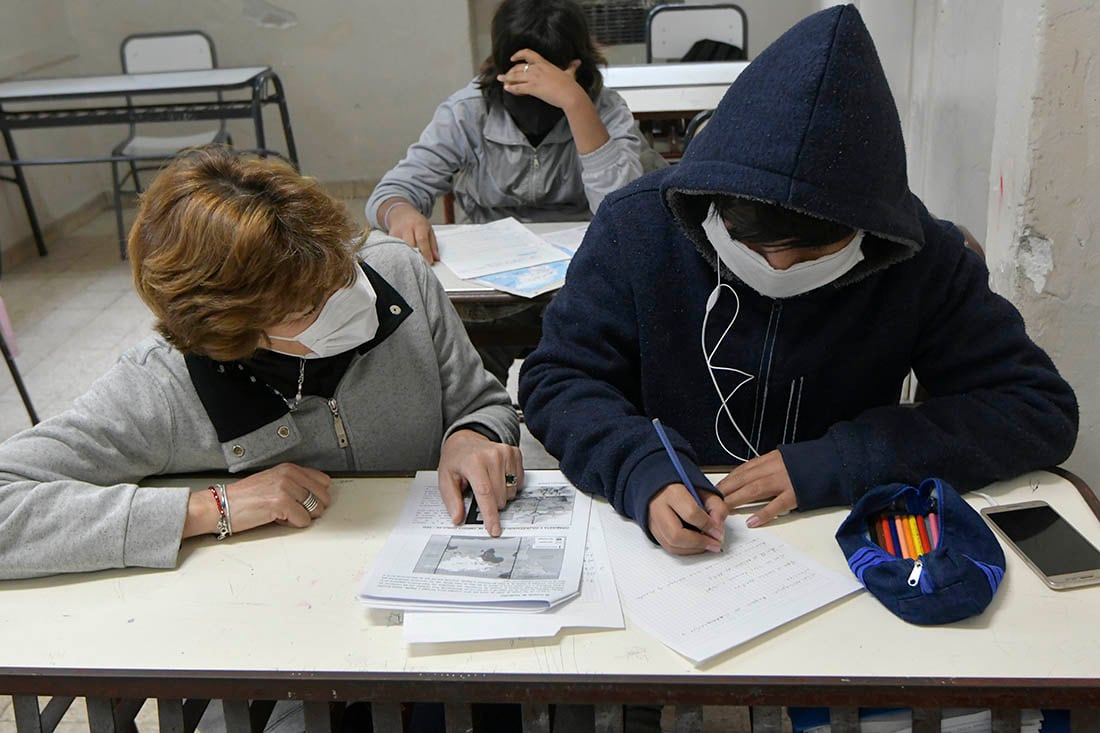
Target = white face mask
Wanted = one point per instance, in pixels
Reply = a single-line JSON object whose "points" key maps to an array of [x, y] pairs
{"points": [[349, 318], [753, 269]]}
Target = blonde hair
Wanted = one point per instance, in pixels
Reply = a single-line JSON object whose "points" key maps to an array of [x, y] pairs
{"points": [[226, 245]]}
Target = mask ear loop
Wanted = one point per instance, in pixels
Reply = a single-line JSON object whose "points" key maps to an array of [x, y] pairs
{"points": [[712, 300]]}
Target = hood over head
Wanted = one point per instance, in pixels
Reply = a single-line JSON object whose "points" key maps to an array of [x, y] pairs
{"points": [[809, 125]]}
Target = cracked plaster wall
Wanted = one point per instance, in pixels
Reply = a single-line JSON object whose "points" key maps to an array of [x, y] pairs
{"points": [[1044, 205]]}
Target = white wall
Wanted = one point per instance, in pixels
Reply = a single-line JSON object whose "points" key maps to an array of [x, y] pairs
{"points": [[1043, 208], [361, 78]]}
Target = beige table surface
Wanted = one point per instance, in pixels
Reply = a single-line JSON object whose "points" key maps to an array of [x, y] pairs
{"points": [[278, 599]]}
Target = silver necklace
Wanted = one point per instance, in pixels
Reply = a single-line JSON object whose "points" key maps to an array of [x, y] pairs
{"points": [[293, 404]]}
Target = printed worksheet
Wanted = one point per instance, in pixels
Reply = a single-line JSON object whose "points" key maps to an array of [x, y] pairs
{"points": [[595, 607], [428, 563], [473, 251]]}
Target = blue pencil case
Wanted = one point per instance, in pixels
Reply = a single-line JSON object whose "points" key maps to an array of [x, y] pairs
{"points": [[934, 582]]}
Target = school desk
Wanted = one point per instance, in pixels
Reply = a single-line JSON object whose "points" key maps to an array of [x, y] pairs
{"points": [[155, 97], [271, 614], [660, 91], [471, 297]]}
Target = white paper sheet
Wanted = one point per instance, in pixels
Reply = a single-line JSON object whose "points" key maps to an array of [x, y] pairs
{"points": [[568, 240], [703, 605], [428, 563], [597, 607], [501, 246]]}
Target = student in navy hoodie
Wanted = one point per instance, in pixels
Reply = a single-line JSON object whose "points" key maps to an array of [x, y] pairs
{"points": [[765, 299]]}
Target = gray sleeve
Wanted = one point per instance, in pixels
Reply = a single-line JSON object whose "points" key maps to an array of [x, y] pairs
{"points": [[430, 164], [618, 161], [470, 394], [68, 495]]}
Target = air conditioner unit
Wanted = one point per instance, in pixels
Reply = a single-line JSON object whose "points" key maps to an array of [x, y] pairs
{"points": [[615, 22]]}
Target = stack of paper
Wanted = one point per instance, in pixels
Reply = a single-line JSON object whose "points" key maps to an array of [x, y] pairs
{"points": [[595, 607], [505, 255], [428, 563]]}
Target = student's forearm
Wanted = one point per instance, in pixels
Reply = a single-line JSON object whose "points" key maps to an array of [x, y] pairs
{"points": [[589, 133]]}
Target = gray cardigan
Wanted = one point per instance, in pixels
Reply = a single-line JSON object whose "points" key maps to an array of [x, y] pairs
{"points": [[69, 499], [478, 152]]}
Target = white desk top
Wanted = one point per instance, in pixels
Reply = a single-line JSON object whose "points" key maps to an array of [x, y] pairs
{"points": [[658, 88], [120, 84], [278, 599], [635, 76]]}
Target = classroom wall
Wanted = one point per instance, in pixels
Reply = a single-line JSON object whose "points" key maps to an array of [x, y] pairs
{"points": [[362, 78], [1043, 208], [36, 39]]}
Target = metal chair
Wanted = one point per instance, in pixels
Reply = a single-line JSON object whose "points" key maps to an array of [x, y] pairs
{"points": [[150, 53], [698, 122], [691, 33], [7, 346], [672, 30]]}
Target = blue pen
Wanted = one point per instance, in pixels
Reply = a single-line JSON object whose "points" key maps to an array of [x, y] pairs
{"points": [[676, 461]]}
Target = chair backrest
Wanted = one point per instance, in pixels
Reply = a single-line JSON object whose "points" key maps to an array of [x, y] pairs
{"points": [[698, 122], [171, 51], [671, 30]]}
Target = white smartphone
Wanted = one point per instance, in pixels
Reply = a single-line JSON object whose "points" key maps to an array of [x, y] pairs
{"points": [[1047, 543]]}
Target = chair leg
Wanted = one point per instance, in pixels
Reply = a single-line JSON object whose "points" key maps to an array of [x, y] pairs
{"points": [[117, 185], [134, 175], [18, 381]]}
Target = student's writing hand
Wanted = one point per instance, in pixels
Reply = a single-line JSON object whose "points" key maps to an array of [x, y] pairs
{"points": [[534, 75], [273, 495], [760, 479], [406, 222], [672, 507], [471, 459]]}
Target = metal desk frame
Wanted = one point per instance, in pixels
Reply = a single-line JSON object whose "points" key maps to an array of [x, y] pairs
{"points": [[40, 103]]}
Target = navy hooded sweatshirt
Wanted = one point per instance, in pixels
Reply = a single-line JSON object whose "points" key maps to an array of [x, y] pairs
{"points": [[810, 125]]}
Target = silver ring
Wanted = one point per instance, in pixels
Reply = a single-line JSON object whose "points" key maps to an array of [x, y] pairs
{"points": [[510, 480], [526, 67], [310, 502]]}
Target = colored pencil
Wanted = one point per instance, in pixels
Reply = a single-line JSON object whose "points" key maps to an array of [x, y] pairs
{"points": [[903, 536], [934, 523], [924, 534], [918, 549], [887, 535]]}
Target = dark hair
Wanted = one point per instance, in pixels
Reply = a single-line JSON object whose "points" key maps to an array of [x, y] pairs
{"points": [[555, 29], [758, 222]]}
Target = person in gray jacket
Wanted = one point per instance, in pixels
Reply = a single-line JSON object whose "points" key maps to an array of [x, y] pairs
{"points": [[535, 136], [284, 351]]}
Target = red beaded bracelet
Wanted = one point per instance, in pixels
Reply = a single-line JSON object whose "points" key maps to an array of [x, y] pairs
{"points": [[223, 520]]}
